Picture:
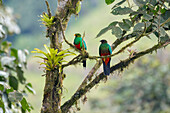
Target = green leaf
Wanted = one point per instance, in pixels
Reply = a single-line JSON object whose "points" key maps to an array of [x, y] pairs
{"points": [[46, 20], [29, 88], [2, 79], [62, 52], [117, 32], [1, 87], [23, 111], [49, 66], [5, 46], [156, 34], [104, 30], [140, 3], [13, 82], [25, 104], [2, 105], [164, 38], [124, 26], [40, 57], [20, 75], [14, 52], [112, 24], [108, 2], [166, 15], [153, 2], [47, 48], [42, 52], [9, 90], [118, 4], [162, 32], [163, 10], [78, 7], [127, 21], [139, 27], [147, 17], [121, 11], [15, 96]]}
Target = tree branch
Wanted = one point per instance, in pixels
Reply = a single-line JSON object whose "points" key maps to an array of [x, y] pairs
{"points": [[121, 65], [114, 45], [74, 61], [53, 86], [122, 49], [70, 44], [48, 9], [99, 62]]}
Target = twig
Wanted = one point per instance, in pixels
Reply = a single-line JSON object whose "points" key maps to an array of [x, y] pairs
{"points": [[48, 9], [121, 65], [123, 48], [99, 62], [128, 3], [82, 42], [75, 60], [114, 45], [70, 44], [168, 20]]}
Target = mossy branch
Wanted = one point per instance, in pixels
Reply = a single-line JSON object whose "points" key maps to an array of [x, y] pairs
{"points": [[99, 62], [119, 66], [48, 9], [123, 48], [70, 44], [74, 61], [120, 51]]}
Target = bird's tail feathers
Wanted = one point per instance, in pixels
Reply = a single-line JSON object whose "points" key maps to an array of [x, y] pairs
{"points": [[84, 63], [106, 68]]}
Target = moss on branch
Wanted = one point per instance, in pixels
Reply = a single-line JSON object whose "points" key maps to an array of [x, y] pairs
{"points": [[119, 66]]}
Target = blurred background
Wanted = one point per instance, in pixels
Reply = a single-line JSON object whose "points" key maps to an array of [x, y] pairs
{"points": [[144, 87]]}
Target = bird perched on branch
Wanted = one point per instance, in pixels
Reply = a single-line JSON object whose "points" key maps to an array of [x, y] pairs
{"points": [[80, 43], [104, 50]]}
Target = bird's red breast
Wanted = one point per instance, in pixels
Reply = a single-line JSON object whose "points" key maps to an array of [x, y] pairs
{"points": [[78, 46], [106, 60]]}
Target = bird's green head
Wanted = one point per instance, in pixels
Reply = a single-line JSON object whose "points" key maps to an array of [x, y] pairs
{"points": [[77, 35], [103, 41]]}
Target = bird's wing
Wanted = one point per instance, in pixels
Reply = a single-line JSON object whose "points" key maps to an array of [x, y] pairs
{"points": [[85, 45], [110, 49]]}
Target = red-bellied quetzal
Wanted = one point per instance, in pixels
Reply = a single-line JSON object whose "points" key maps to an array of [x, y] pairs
{"points": [[104, 50], [78, 43]]}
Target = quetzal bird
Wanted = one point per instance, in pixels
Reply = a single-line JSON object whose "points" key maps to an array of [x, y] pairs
{"points": [[79, 45], [104, 50]]}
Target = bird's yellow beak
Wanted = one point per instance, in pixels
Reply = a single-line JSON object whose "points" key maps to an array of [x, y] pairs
{"points": [[74, 34]]}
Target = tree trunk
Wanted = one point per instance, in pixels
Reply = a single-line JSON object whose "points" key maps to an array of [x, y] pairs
{"points": [[54, 82]]}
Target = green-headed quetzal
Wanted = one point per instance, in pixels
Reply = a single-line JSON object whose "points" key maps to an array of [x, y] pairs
{"points": [[104, 50], [78, 43]]}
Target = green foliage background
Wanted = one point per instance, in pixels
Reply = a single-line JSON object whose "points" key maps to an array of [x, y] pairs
{"points": [[94, 16]]}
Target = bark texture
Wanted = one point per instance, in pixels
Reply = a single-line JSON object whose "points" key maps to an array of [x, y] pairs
{"points": [[54, 81]]}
